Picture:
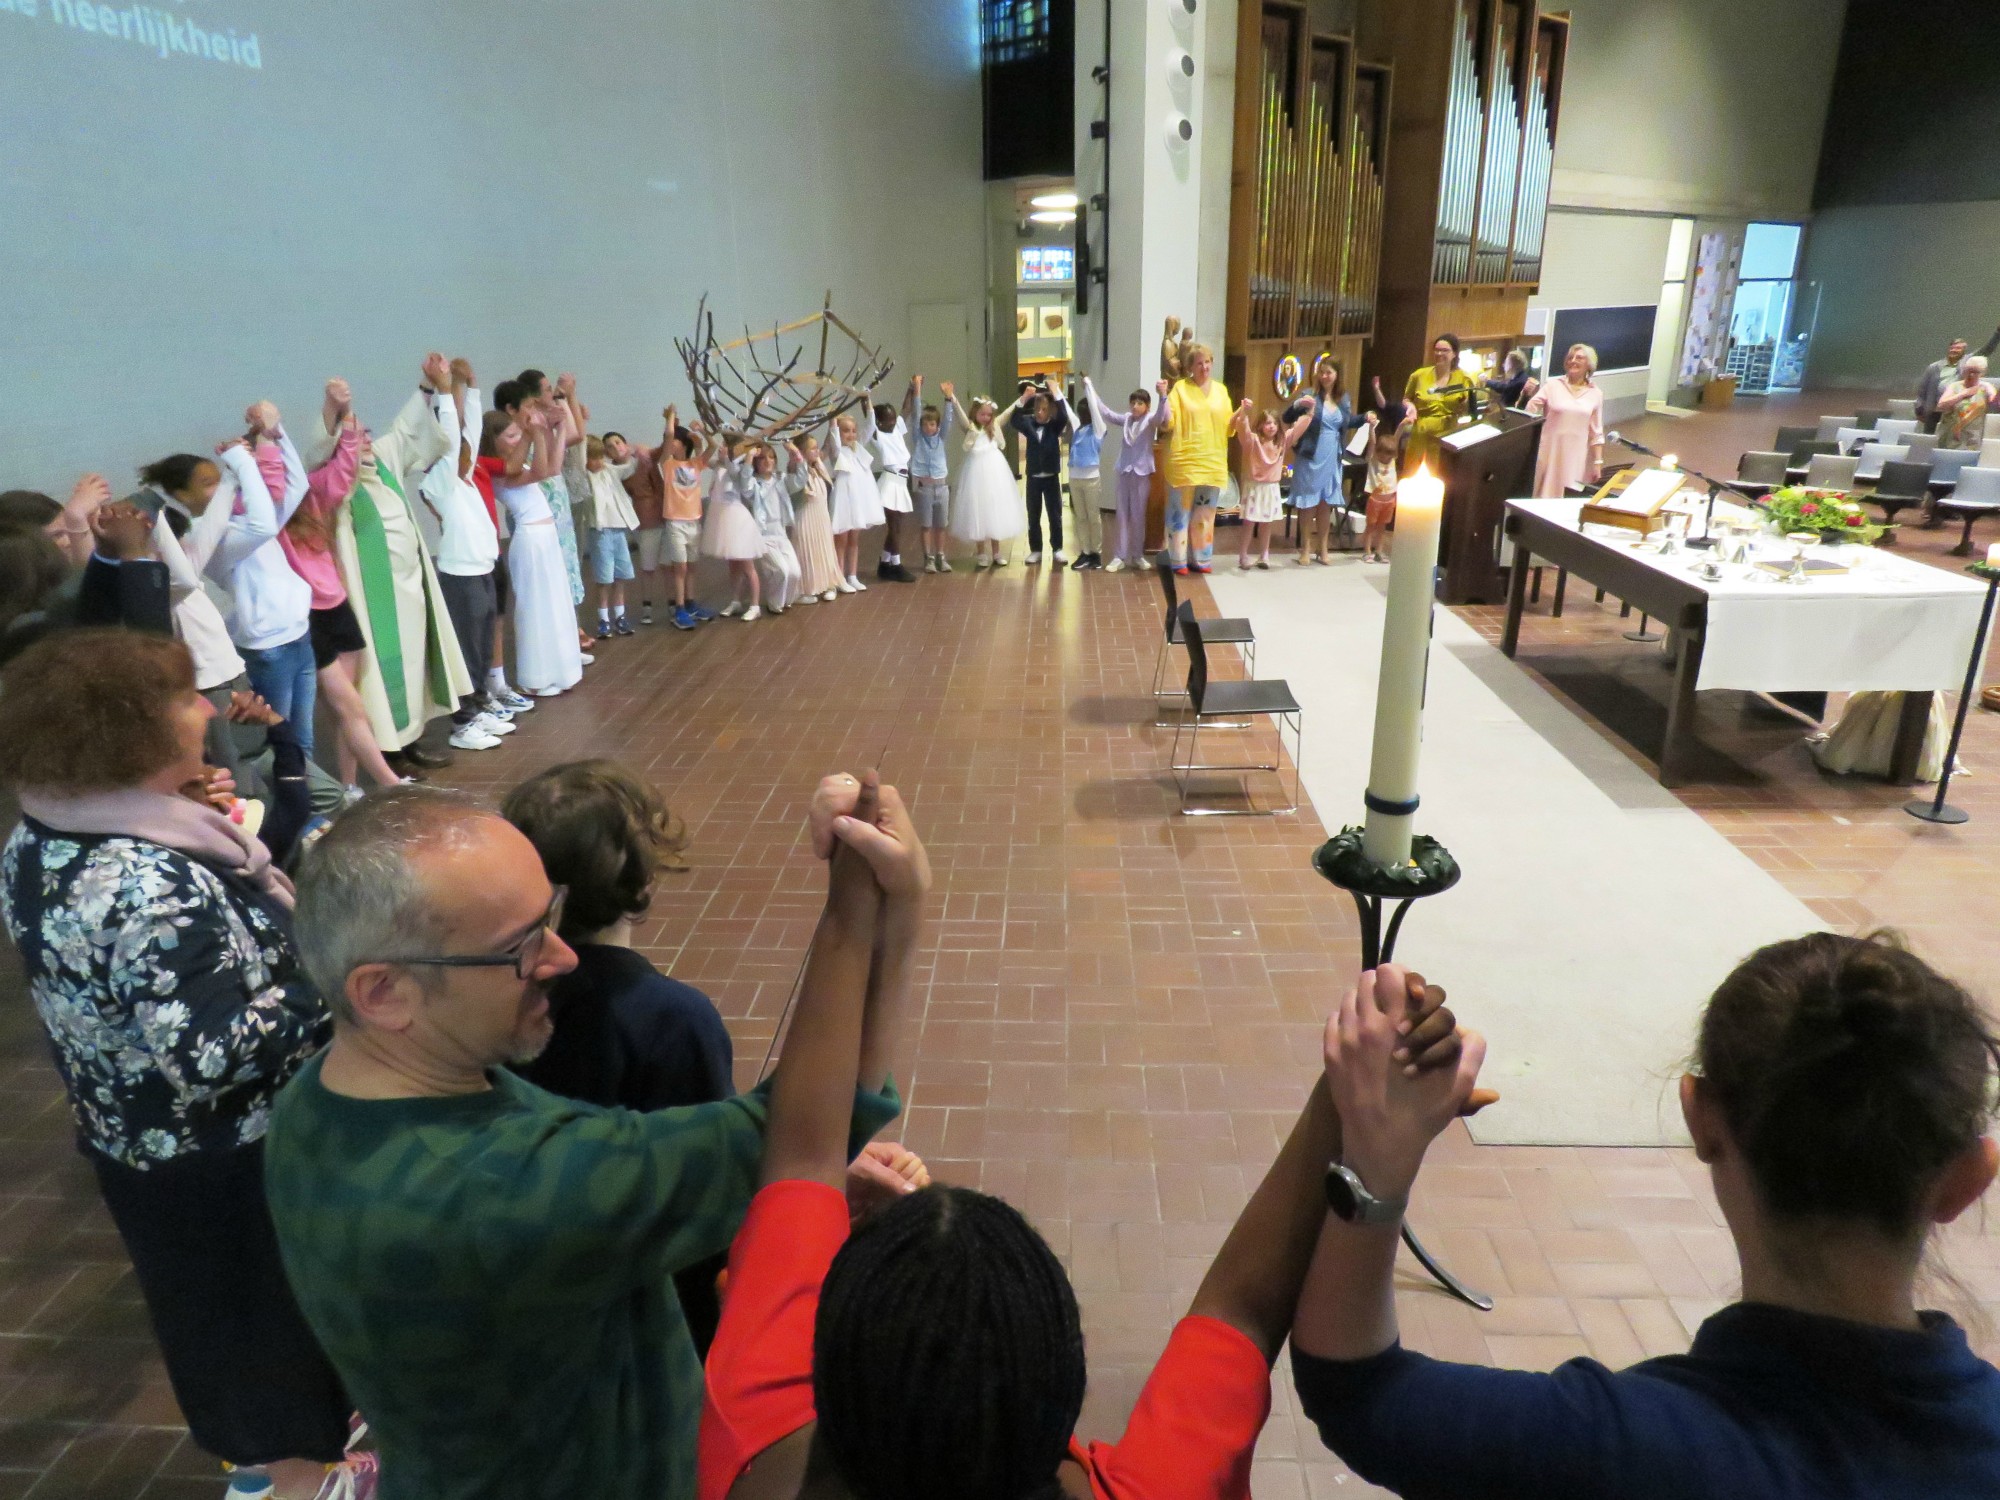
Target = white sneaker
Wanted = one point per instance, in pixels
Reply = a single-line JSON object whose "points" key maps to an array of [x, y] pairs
{"points": [[806, 599], [832, 594], [508, 697], [1034, 559], [493, 725], [847, 586], [980, 564], [1001, 561], [1058, 557], [855, 580], [546, 692], [754, 612], [1116, 565], [731, 610], [472, 737]]}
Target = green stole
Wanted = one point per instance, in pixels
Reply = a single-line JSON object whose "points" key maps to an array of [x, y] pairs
{"points": [[378, 587]]}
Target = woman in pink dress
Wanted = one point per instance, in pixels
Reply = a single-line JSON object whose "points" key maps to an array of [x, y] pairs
{"points": [[1573, 432]]}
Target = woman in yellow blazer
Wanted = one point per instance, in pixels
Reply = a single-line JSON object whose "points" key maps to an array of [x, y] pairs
{"points": [[1436, 395]]}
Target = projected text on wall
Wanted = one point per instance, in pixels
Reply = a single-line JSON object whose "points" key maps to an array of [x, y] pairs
{"points": [[162, 32]]}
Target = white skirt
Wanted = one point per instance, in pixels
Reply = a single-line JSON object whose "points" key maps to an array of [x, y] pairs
{"points": [[1262, 502], [857, 504], [986, 506], [545, 647], [894, 492], [730, 532]]}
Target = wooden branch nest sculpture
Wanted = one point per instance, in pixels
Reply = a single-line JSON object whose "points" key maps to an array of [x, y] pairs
{"points": [[781, 383]]}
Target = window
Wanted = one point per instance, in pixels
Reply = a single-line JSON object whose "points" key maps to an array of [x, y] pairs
{"points": [[1013, 31], [1770, 252]]}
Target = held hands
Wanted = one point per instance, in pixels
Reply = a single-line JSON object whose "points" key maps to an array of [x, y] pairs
{"points": [[89, 494], [437, 371], [1398, 1074], [565, 385], [950, 390], [461, 373], [262, 419], [246, 707], [122, 531], [881, 832], [882, 1173], [1162, 386], [339, 403]]}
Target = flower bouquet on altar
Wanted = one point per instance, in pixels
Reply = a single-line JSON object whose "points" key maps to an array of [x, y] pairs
{"points": [[1834, 514]]}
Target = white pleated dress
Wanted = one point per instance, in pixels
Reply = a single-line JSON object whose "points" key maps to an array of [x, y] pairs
{"points": [[546, 656], [986, 506]]}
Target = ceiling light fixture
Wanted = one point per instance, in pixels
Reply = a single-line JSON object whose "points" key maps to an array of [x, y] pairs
{"points": [[1052, 216]]}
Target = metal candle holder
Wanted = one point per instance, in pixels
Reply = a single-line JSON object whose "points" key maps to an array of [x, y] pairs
{"points": [[1430, 872], [1937, 810]]}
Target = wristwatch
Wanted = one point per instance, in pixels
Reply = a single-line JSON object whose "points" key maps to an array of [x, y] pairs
{"points": [[1352, 1201]]}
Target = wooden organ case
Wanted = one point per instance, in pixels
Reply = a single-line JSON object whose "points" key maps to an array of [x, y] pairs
{"points": [[1307, 198], [1478, 91]]}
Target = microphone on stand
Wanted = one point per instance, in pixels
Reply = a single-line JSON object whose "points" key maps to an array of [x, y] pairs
{"points": [[1624, 442]]}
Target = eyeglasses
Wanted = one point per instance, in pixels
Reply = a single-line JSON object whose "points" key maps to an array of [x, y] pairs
{"points": [[521, 958]]}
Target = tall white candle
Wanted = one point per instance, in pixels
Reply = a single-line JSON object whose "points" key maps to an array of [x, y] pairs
{"points": [[1406, 644]]}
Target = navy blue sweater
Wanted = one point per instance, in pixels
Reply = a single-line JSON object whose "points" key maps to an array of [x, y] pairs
{"points": [[1769, 1404]]}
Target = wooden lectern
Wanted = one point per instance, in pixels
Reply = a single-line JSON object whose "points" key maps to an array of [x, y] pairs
{"points": [[1482, 471]]}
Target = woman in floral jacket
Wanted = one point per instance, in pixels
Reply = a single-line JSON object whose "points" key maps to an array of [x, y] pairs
{"points": [[156, 939]]}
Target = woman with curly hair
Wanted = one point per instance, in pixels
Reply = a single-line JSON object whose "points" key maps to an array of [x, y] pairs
{"points": [[156, 938]]}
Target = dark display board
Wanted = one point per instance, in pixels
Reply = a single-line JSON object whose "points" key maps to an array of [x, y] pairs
{"points": [[1622, 336]]}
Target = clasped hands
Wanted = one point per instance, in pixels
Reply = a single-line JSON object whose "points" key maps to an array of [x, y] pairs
{"points": [[1399, 1069]]}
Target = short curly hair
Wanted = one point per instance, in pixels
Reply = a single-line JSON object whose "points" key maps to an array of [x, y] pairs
{"points": [[602, 833], [88, 710]]}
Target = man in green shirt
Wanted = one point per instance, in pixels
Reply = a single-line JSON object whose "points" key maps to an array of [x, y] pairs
{"points": [[488, 1266]]}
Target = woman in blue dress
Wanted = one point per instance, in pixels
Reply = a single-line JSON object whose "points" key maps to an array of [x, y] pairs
{"points": [[1316, 460]]}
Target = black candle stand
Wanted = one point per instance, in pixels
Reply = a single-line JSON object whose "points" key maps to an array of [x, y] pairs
{"points": [[1431, 872], [1936, 810]]}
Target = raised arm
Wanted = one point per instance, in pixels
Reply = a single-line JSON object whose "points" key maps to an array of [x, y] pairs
{"points": [[1254, 1283], [1347, 1310], [812, 1092], [244, 534], [913, 398]]}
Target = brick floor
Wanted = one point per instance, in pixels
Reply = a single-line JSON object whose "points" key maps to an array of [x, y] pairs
{"points": [[1120, 1011]]}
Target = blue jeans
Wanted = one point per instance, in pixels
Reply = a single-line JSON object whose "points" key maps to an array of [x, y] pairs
{"points": [[285, 678]]}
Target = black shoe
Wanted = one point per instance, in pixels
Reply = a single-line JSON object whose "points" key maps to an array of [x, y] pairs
{"points": [[900, 574], [885, 571], [429, 760]]}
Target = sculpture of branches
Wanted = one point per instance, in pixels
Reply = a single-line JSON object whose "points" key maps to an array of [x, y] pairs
{"points": [[754, 385]]}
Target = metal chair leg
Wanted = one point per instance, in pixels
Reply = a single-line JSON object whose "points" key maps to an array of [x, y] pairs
{"points": [[1443, 1277]]}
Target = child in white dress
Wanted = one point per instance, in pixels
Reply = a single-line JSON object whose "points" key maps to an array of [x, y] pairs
{"points": [[778, 564], [890, 437], [547, 657], [986, 508], [730, 532], [857, 503]]}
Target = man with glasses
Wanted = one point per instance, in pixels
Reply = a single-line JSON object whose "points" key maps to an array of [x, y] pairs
{"points": [[488, 1266]]}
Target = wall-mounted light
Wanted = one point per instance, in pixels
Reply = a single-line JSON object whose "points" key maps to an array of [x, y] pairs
{"points": [[1053, 200], [1180, 64], [1053, 216], [1180, 130]]}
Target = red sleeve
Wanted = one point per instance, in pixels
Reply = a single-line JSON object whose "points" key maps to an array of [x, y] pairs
{"points": [[333, 481], [759, 1377], [1195, 1428]]}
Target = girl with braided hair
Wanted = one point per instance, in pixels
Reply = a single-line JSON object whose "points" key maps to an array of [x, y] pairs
{"points": [[936, 1350]]}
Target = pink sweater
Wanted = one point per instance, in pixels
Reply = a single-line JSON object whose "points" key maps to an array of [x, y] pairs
{"points": [[327, 489]]}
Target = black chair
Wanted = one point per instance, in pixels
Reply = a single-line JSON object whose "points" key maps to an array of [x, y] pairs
{"points": [[1789, 438], [1870, 418], [1901, 486], [1235, 632], [1804, 453], [1761, 470], [1211, 703], [1976, 496]]}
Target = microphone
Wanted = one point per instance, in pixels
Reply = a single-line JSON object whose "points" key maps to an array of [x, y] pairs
{"points": [[1624, 442]]}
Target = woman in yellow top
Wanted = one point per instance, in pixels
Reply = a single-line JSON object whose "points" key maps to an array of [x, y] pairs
{"points": [[1437, 396], [1197, 467]]}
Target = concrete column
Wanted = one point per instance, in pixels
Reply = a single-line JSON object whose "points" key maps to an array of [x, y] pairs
{"points": [[1169, 181]]}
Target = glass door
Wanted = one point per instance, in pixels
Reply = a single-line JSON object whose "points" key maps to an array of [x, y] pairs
{"points": [[1760, 318]]}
